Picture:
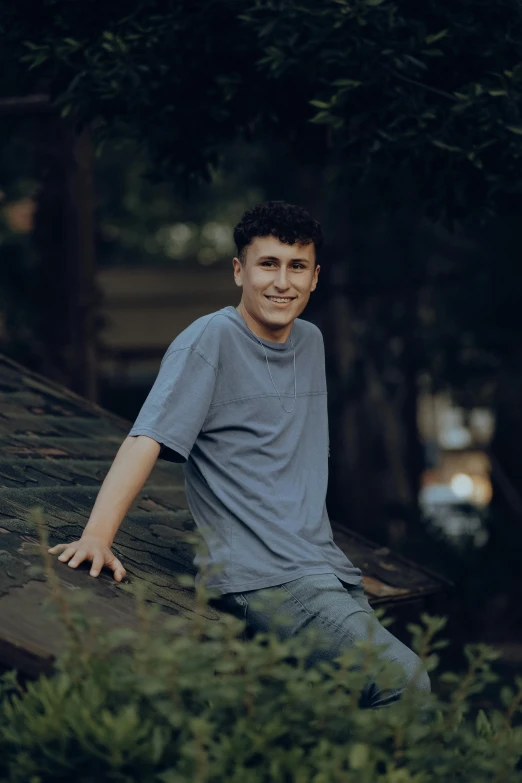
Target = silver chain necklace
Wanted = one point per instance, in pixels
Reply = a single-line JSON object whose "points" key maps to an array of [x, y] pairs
{"points": [[266, 357]]}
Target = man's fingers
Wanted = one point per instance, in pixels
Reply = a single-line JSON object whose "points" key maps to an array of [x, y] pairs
{"points": [[97, 564], [119, 571], [53, 550], [75, 555], [78, 558], [68, 552]]}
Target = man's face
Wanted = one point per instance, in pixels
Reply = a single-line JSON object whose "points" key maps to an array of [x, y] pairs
{"points": [[275, 269]]}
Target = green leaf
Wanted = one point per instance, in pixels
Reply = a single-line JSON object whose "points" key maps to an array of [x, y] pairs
{"points": [[159, 740], [452, 678], [483, 725], [374, 2], [514, 129], [431, 662], [506, 696], [443, 146], [476, 161], [34, 571], [322, 118], [38, 60], [171, 776], [121, 635], [358, 755], [346, 83], [186, 580], [320, 104], [436, 36], [415, 61]]}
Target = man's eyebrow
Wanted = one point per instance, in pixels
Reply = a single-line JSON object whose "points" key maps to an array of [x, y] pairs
{"points": [[292, 260]]}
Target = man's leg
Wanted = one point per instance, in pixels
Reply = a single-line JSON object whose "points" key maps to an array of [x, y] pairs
{"points": [[341, 614]]}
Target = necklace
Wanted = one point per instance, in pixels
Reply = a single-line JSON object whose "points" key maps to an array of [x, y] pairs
{"points": [[266, 357]]}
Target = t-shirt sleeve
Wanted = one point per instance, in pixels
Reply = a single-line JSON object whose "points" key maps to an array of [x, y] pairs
{"points": [[178, 403]]}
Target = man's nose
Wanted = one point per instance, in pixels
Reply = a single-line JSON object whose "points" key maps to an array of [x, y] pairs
{"points": [[281, 281]]}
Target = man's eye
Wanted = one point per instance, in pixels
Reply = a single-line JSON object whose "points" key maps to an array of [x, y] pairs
{"points": [[300, 266]]}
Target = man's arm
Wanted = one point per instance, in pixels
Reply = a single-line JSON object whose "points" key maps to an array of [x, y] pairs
{"points": [[128, 473]]}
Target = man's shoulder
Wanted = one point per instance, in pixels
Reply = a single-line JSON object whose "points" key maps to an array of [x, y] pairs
{"points": [[203, 334], [309, 330]]}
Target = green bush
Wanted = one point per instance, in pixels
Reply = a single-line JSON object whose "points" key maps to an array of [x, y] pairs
{"points": [[193, 702]]}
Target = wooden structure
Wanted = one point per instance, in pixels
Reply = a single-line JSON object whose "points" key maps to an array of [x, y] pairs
{"points": [[63, 234], [55, 450]]}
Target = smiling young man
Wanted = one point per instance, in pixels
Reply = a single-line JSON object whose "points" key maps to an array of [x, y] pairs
{"points": [[241, 400]]}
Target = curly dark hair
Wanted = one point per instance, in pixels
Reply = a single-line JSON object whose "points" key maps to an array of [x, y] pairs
{"points": [[287, 222]]}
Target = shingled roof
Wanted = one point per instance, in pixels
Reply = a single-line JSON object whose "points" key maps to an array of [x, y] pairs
{"points": [[55, 450]]}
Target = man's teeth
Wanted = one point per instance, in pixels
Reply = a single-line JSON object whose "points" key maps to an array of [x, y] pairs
{"points": [[276, 299]]}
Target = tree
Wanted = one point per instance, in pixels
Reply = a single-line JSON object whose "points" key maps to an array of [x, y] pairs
{"points": [[418, 104], [428, 95]]}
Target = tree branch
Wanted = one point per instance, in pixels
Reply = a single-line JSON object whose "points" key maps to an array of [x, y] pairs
{"points": [[39, 102], [426, 87]]}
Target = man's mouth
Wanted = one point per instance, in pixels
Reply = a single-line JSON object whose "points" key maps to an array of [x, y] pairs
{"points": [[281, 299]]}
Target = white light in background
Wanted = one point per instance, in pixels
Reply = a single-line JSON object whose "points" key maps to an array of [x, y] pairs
{"points": [[219, 235], [482, 424], [475, 488], [175, 238], [452, 432], [462, 485], [179, 233]]}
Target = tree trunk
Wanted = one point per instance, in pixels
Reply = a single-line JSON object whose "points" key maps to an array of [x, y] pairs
{"points": [[64, 238], [376, 460]]}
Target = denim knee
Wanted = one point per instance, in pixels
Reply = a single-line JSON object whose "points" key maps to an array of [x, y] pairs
{"points": [[416, 671]]}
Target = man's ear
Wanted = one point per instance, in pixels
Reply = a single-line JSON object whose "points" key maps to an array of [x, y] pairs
{"points": [[236, 278], [316, 278]]}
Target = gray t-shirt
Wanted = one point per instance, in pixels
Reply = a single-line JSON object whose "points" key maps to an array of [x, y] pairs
{"points": [[255, 476]]}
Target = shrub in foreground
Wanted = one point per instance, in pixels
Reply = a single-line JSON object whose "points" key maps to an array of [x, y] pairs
{"points": [[190, 701]]}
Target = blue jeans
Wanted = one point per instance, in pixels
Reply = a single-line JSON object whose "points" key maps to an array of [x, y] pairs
{"points": [[341, 614]]}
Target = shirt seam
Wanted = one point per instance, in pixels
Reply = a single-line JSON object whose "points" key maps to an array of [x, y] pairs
{"points": [[195, 347], [189, 348], [267, 394]]}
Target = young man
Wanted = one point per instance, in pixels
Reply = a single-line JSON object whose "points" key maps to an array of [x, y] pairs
{"points": [[241, 400]]}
